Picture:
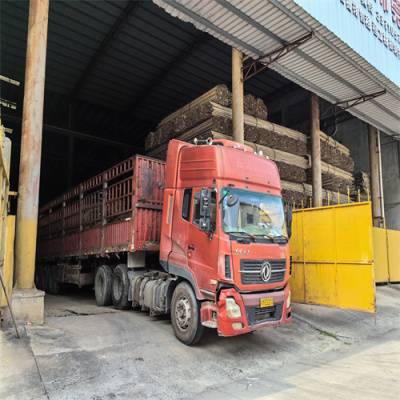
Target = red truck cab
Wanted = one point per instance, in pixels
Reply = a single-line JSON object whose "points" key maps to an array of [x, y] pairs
{"points": [[224, 232]]}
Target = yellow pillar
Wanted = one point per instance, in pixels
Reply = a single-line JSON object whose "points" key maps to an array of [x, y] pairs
{"points": [[31, 145]]}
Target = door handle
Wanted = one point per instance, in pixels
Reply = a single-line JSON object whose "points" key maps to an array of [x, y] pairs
{"points": [[191, 248]]}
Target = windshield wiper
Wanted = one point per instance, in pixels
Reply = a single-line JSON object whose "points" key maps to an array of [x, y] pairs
{"points": [[273, 237], [242, 233]]}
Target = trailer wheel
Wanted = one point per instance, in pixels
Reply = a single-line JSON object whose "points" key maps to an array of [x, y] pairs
{"points": [[43, 278], [37, 277], [53, 286], [185, 315], [120, 286], [102, 285]]}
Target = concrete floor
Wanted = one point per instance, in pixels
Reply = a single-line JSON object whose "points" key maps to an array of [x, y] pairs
{"points": [[86, 352]]}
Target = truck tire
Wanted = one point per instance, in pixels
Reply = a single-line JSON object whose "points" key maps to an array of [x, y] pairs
{"points": [[120, 287], [185, 315], [102, 286], [37, 277], [44, 278], [53, 286]]}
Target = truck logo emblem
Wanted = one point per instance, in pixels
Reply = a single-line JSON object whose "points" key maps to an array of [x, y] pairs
{"points": [[265, 272]]}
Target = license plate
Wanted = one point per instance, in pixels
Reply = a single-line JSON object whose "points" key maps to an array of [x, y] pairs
{"points": [[267, 302]]}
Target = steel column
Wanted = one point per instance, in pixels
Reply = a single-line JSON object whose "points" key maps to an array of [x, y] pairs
{"points": [[382, 197], [315, 151], [31, 145], [374, 169], [237, 96]]}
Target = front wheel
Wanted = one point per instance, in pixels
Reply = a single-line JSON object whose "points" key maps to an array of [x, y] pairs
{"points": [[185, 315]]}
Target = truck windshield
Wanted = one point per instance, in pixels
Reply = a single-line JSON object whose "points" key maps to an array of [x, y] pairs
{"points": [[254, 214]]}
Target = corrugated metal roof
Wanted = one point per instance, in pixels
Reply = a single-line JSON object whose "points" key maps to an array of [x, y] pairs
{"points": [[114, 69], [147, 72], [324, 65]]}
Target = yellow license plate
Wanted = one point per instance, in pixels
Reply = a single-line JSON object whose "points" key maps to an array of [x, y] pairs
{"points": [[267, 302]]}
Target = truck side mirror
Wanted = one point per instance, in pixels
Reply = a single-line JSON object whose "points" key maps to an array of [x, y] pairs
{"points": [[232, 200], [289, 217]]}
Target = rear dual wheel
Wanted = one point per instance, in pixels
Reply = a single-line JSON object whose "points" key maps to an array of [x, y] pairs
{"points": [[120, 288], [102, 285]]}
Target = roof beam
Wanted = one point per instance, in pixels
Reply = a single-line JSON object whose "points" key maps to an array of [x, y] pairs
{"points": [[294, 17], [79, 135], [330, 109], [195, 45], [322, 93], [277, 54], [266, 60], [129, 11]]}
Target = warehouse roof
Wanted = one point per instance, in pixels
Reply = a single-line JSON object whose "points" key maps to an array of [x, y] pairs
{"points": [[128, 57], [324, 64]]}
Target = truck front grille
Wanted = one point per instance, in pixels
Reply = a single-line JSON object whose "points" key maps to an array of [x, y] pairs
{"points": [[250, 271], [257, 315]]}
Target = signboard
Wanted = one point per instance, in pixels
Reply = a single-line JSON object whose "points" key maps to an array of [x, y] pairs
{"points": [[369, 27]]}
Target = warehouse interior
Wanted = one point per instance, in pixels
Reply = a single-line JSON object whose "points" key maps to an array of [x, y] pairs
{"points": [[114, 70]]}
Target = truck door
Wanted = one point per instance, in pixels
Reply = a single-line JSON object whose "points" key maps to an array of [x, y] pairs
{"points": [[202, 249], [180, 230]]}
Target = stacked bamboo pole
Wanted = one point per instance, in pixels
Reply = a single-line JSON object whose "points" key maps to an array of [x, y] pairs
{"points": [[209, 117]]}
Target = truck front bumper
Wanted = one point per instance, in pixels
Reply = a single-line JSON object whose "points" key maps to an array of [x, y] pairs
{"points": [[253, 316]]}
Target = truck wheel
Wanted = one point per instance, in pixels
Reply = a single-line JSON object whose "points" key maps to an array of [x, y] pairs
{"points": [[102, 285], [54, 286], [185, 315], [120, 286], [37, 277], [44, 279]]}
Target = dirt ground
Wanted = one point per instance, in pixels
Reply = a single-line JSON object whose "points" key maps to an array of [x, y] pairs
{"points": [[86, 352]]}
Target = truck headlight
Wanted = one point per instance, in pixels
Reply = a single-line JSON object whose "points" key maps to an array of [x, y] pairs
{"points": [[288, 301], [232, 308]]}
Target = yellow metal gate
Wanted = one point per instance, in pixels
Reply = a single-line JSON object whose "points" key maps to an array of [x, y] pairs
{"points": [[333, 257], [7, 223], [386, 255]]}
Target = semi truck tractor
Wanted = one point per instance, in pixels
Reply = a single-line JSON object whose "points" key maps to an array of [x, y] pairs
{"points": [[202, 237]]}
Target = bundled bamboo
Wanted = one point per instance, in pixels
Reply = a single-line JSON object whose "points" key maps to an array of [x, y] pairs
{"points": [[289, 165], [336, 157], [334, 178], [252, 121], [219, 94], [198, 131], [299, 192], [332, 151], [256, 130], [254, 107], [362, 182], [334, 143]]}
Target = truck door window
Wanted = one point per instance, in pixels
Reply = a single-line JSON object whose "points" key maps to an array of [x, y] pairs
{"points": [[213, 213], [186, 204]]}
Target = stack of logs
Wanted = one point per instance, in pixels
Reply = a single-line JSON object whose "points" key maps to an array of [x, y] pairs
{"points": [[210, 116]]}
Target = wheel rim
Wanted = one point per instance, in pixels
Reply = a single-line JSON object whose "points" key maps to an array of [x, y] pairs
{"points": [[183, 313]]}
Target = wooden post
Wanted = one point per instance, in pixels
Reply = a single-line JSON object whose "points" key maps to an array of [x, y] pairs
{"points": [[237, 96], [315, 151]]}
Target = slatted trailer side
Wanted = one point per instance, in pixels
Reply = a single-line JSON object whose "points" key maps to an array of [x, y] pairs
{"points": [[109, 215]]}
